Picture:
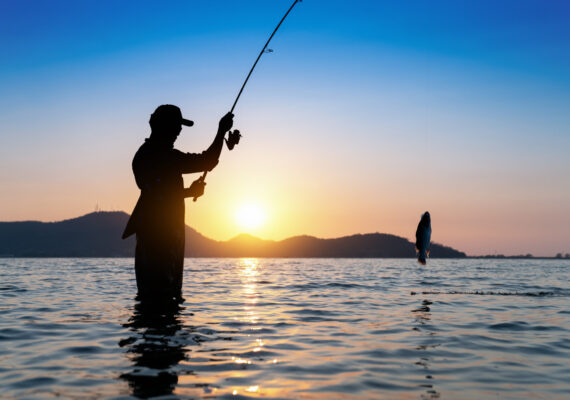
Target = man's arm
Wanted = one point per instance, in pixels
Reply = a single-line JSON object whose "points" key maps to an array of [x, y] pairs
{"points": [[208, 159]]}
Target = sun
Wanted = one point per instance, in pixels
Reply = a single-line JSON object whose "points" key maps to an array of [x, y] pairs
{"points": [[250, 216]]}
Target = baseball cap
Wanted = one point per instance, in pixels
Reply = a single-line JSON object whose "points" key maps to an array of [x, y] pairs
{"points": [[169, 113]]}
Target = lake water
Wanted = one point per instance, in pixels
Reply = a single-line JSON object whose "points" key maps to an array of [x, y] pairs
{"points": [[288, 328]]}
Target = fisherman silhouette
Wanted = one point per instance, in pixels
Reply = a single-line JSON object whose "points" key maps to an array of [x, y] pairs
{"points": [[158, 217]]}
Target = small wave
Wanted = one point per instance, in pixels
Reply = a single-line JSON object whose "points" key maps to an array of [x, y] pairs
{"points": [[510, 326], [522, 326], [253, 354], [344, 285], [12, 288], [84, 349], [35, 382], [491, 293], [312, 311], [316, 285]]}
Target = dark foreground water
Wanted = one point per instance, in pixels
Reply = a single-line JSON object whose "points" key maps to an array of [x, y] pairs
{"points": [[284, 328]]}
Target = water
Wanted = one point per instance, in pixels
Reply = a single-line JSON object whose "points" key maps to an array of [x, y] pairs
{"points": [[286, 328]]}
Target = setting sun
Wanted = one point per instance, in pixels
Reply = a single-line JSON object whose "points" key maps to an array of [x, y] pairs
{"points": [[250, 216]]}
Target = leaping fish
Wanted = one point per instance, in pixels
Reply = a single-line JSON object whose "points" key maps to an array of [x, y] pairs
{"points": [[423, 237]]}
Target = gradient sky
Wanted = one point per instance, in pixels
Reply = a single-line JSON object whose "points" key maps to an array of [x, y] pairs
{"points": [[367, 114]]}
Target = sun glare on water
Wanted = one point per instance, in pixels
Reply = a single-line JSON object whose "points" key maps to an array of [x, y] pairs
{"points": [[250, 216]]}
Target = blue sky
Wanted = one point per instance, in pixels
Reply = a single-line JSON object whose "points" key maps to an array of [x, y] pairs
{"points": [[366, 114]]}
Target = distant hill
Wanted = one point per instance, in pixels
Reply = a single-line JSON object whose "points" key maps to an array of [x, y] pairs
{"points": [[99, 235]]}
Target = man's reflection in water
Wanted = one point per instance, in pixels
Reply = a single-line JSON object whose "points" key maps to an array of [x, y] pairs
{"points": [[155, 348]]}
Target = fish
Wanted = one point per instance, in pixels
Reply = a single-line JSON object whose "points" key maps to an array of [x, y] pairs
{"points": [[423, 237]]}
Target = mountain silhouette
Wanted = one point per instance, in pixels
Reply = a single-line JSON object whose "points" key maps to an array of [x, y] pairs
{"points": [[98, 234]]}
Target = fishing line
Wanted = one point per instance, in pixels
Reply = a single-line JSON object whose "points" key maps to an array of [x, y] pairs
{"points": [[233, 137]]}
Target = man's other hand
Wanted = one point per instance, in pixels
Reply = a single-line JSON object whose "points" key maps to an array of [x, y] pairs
{"points": [[196, 189]]}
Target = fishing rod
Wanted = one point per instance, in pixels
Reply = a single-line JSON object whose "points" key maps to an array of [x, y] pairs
{"points": [[234, 137], [262, 52]]}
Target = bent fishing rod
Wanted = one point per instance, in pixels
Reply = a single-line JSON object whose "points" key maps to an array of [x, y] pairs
{"points": [[234, 137]]}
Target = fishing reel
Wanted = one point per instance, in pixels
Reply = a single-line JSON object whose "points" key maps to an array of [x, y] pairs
{"points": [[233, 139]]}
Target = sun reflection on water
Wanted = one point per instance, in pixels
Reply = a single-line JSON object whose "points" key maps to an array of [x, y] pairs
{"points": [[248, 272], [249, 269]]}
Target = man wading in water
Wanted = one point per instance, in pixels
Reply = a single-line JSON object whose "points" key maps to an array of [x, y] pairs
{"points": [[158, 217]]}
